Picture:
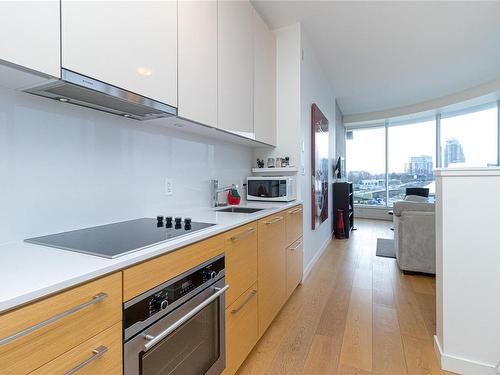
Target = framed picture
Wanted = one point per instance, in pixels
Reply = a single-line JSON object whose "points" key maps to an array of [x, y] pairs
{"points": [[319, 166]]}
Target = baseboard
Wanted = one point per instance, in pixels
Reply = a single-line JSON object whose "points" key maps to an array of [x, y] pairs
{"points": [[461, 365], [313, 261]]}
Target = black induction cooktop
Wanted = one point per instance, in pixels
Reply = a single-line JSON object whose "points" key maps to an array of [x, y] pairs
{"points": [[114, 240]]}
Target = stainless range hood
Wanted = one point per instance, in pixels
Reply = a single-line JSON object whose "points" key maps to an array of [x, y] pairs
{"points": [[77, 89]]}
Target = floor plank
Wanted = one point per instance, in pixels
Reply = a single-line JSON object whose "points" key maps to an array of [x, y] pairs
{"points": [[420, 356], [357, 342], [388, 353]]}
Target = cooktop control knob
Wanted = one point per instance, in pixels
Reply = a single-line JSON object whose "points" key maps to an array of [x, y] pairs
{"points": [[164, 304], [159, 218], [187, 221], [178, 220], [168, 219]]}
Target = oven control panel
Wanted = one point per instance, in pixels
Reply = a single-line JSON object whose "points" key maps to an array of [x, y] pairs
{"points": [[169, 295]]}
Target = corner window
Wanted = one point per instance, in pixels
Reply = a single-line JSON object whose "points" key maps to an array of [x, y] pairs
{"points": [[470, 140], [365, 162], [411, 155]]}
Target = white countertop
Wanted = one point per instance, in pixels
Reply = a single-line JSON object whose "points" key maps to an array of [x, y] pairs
{"points": [[29, 272]]}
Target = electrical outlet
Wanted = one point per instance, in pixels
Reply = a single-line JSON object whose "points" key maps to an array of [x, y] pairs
{"points": [[169, 186]]}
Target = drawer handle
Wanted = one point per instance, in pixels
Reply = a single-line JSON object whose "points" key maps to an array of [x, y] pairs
{"points": [[96, 354], [275, 220], [153, 340], [252, 294], [95, 299], [242, 235], [295, 211], [299, 244]]}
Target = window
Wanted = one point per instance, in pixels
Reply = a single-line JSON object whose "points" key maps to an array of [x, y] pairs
{"points": [[365, 162], [411, 150], [470, 139]]}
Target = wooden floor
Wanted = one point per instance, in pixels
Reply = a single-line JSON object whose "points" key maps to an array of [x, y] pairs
{"points": [[355, 314]]}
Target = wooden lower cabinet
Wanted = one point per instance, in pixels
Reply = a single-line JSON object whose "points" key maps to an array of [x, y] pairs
{"points": [[294, 266], [241, 329], [86, 357], [100, 307], [240, 247], [271, 269]]}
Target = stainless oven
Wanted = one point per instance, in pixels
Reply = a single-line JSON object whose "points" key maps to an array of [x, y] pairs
{"points": [[178, 327]]}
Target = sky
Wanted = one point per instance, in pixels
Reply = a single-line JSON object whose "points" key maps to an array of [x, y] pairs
{"points": [[476, 132]]}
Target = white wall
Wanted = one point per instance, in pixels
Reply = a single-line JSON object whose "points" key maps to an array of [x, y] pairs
{"points": [[314, 88], [467, 270], [64, 167]]}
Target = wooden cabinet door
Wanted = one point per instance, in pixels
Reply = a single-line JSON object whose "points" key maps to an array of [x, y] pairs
{"points": [[31, 35], [129, 44], [294, 266], [241, 329], [235, 69], [294, 224], [82, 312], [198, 61], [272, 268], [102, 354], [264, 87], [241, 260]]}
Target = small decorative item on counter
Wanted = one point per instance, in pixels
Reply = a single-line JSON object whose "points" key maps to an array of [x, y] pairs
{"points": [[233, 197], [260, 163], [270, 162], [278, 162], [286, 161]]}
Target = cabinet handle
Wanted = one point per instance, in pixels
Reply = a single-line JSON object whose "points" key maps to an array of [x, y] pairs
{"points": [[252, 294], [299, 244], [97, 353], [239, 236], [95, 299], [275, 220], [295, 211]]}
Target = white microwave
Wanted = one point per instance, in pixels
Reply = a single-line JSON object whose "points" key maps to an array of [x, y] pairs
{"points": [[275, 188]]}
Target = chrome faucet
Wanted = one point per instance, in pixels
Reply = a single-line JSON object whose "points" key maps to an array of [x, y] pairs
{"points": [[215, 190]]}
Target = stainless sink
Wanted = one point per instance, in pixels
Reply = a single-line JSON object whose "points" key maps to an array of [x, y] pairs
{"points": [[241, 210]]}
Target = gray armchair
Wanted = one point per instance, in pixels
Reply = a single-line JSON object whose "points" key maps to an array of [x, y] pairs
{"points": [[414, 236]]}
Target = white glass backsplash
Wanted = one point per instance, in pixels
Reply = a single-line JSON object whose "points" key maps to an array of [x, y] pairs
{"points": [[64, 167]]}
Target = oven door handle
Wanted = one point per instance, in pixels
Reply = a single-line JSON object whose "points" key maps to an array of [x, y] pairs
{"points": [[153, 340]]}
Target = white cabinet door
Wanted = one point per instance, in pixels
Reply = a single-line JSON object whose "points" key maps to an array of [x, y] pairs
{"points": [[264, 82], [129, 44], [30, 35], [198, 61], [236, 67]]}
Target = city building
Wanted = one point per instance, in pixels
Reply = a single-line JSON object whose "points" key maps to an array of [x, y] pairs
{"points": [[419, 165], [453, 152]]}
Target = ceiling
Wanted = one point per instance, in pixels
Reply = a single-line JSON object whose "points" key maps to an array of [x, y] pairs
{"points": [[385, 55]]}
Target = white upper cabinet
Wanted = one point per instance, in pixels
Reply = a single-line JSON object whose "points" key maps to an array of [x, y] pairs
{"points": [[129, 44], [236, 67], [198, 61], [264, 93], [30, 35]]}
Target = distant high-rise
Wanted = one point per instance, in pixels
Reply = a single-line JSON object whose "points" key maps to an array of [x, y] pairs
{"points": [[453, 152], [419, 165]]}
